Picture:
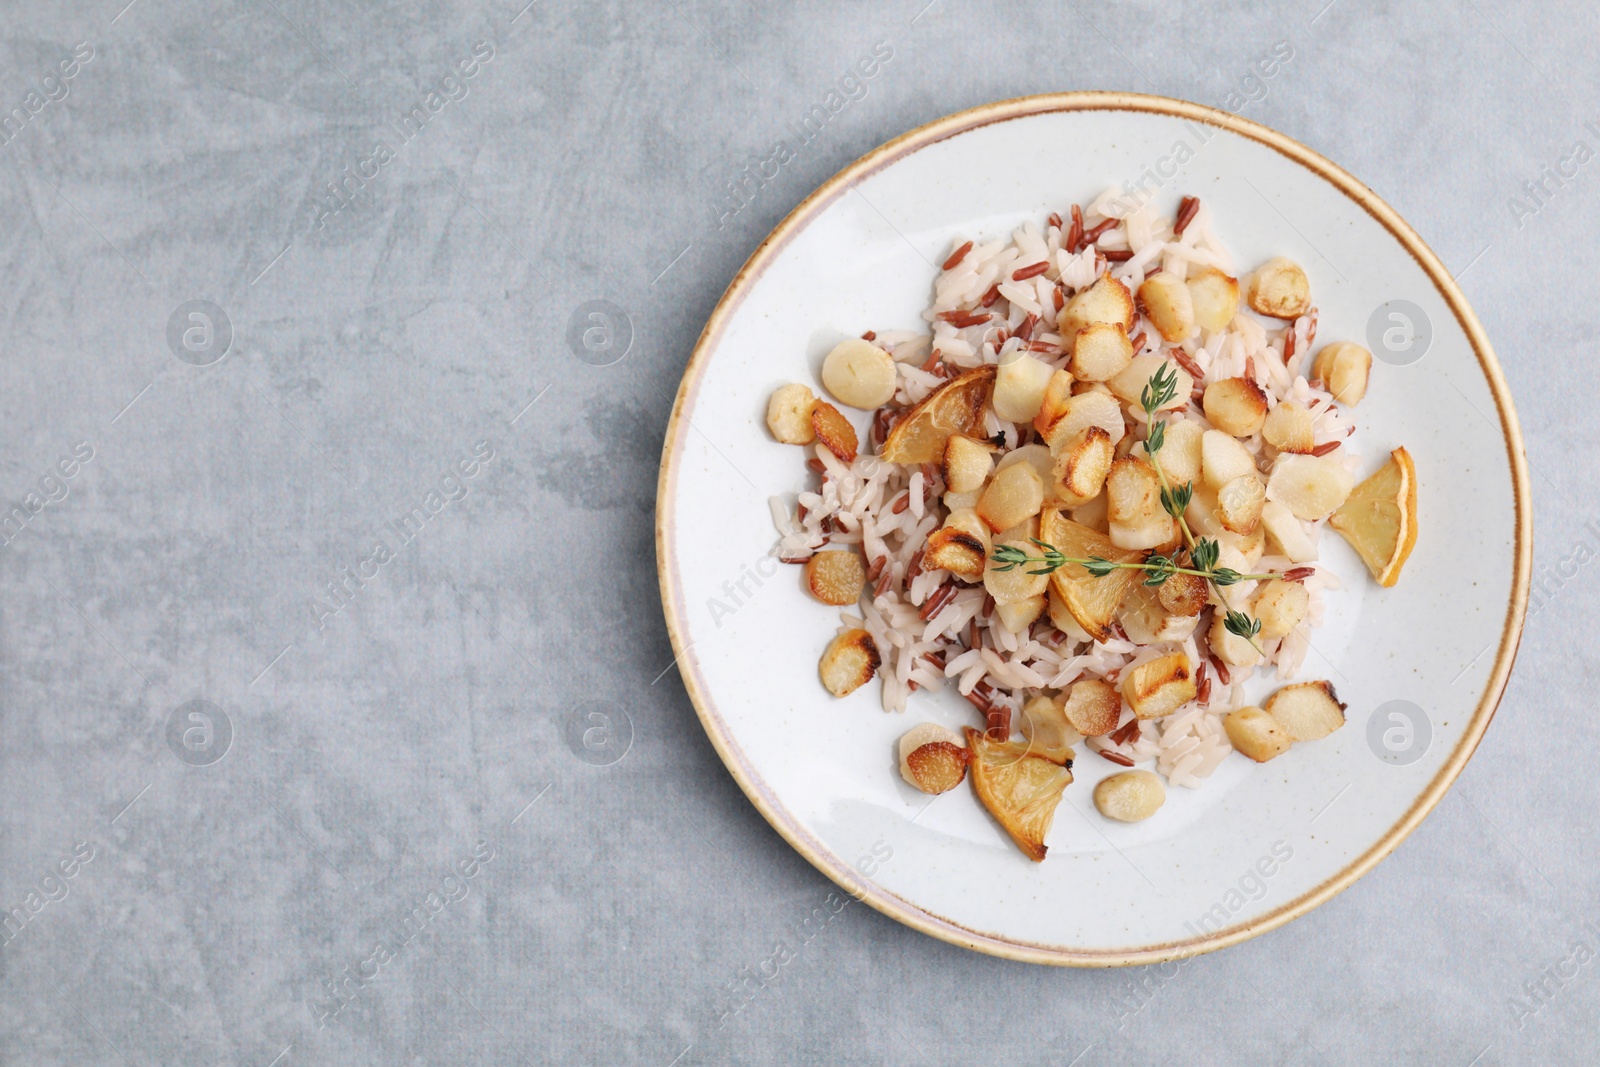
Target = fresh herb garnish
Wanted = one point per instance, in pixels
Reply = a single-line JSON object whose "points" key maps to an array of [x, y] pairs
{"points": [[1203, 552]]}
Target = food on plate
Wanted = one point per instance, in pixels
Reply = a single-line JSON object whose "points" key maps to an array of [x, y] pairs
{"points": [[1312, 487], [1020, 788], [1279, 288], [1344, 368], [1379, 518], [1256, 734], [1049, 733], [849, 662], [967, 462], [789, 414], [1107, 299], [1019, 387], [836, 576], [859, 373], [834, 431], [1012, 496], [1131, 796], [1088, 494], [1306, 711], [1289, 427], [1166, 301], [1214, 297], [1158, 687], [956, 407], [1101, 350], [1281, 606], [1078, 471], [933, 758], [1091, 597], [1236, 406], [1093, 707], [960, 546]]}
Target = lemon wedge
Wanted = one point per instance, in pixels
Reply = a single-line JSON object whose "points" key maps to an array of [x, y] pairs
{"points": [[1379, 517], [1021, 790], [955, 407]]}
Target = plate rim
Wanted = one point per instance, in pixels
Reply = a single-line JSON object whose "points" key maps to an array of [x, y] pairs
{"points": [[755, 789]]}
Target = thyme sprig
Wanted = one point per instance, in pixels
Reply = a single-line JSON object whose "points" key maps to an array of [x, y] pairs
{"points": [[1159, 567], [1204, 552]]}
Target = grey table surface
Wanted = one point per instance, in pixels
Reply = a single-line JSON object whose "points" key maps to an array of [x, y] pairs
{"points": [[185, 492]]}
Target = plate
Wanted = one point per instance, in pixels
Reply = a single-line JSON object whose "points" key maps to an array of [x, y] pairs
{"points": [[1421, 665]]}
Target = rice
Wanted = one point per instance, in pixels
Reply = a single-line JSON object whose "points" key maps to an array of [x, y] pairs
{"points": [[964, 641]]}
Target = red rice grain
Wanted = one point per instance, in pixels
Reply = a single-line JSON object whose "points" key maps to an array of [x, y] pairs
{"points": [[1186, 361], [942, 596], [1187, 208], [1326, 447], [884, 581], [1032, 270], [962, 319], [958, 255], [1091, 236]]}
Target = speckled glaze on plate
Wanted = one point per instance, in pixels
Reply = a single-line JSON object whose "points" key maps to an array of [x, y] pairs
{"points": [[1258, 845]]}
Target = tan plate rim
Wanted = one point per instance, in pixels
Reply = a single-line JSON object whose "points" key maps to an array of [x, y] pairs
{"points": [[755, 788]]}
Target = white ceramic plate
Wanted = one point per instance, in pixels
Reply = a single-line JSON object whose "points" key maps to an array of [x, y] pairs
{"points": [[1257, 845]]}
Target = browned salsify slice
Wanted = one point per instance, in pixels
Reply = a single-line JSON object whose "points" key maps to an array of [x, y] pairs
{"points": [[1093, 707], [834, 431], [835, 577], [849, 662], [938, 766]]}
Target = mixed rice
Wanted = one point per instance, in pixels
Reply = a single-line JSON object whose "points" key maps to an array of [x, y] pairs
{"points": [[997, 302]]}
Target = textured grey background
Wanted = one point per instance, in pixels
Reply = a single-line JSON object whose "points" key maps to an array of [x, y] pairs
{"points": [[623, 909]]}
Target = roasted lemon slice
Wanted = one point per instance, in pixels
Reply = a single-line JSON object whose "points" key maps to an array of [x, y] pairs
{"points": [[955, 407], [1379, 518], [1020, 790], [1092, 601]]}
